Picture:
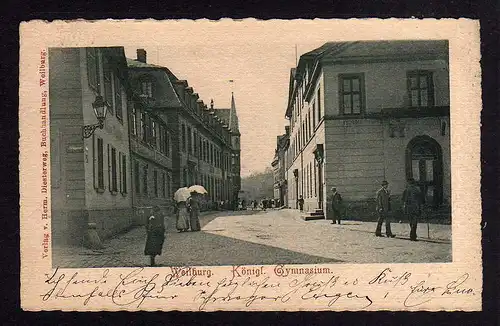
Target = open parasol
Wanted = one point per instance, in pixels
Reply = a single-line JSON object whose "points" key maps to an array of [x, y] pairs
{"points": [[198, 189], [182, 194]]}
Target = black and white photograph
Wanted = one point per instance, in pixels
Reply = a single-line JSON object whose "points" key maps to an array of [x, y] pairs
{"points": [[359, 174], [270, 153]]}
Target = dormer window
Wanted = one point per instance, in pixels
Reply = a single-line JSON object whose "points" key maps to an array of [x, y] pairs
{"points": [[147, 88], [420, 88]]}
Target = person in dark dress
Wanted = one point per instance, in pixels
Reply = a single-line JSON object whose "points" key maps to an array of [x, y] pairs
{"points": [[337, 206], [412, 206], [194, 212], [155, 234], [300, 202]]}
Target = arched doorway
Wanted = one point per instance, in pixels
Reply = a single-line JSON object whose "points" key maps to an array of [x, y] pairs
{"points": [[424, 163]]}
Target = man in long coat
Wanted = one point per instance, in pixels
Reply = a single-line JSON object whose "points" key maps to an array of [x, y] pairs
{"points": [[412, 206], [337, 206], [384, 209]]}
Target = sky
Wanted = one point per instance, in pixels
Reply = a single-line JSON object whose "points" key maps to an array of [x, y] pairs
{"points": [[257, 55]]}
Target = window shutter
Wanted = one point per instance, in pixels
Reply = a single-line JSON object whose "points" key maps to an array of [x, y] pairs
{"points": [[120, 176], [109, 169], [94, 161]]}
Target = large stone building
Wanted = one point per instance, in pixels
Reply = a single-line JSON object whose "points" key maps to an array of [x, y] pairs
{"points": [[199, 146], [151, 134], [156, 137], [230, 119], [279, 164], [90, 177], [363, 112]]}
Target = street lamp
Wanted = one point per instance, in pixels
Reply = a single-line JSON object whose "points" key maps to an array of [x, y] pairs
{"points": [[100, 110]]}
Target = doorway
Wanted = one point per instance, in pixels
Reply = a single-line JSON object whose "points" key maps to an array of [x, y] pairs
{"points": [[320, 185], [424, 163]]}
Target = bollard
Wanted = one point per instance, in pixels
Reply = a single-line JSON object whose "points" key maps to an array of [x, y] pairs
{"points": [[92, 239]]}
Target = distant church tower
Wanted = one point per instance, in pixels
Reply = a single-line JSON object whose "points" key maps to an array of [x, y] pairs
{"points": [[236, 148]]}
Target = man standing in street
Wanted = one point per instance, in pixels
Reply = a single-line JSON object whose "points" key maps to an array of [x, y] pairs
{"points": [[300, 202], [412, 206], [337, 206], [383, 210]]}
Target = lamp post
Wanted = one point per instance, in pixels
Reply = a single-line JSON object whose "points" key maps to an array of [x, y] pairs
{"points": [[100, 110]]}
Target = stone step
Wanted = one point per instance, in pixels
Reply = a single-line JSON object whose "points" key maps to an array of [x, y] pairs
{"points": [[310, 217]]}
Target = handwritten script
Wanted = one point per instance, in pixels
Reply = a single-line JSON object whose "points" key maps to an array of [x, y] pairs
{"points": [[201, 288]]}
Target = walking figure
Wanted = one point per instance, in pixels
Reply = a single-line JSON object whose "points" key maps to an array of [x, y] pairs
{"points": [[155, 235], [337, 206], [383, 210], [412, 206], [194, 212], [300, 202]]}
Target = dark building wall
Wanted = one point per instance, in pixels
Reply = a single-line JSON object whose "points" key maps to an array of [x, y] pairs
{"points": [[75, 199], [66, 150]]}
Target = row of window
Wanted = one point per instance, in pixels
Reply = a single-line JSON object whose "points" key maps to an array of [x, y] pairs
{"points": [[218, 189], [308, 182], [351, 102], [157, 186], [151, 131], [194, 144], [116, 168], [105, 81], [147, 89]]}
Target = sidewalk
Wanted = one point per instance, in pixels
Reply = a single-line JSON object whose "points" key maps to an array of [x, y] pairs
{"points": [[266, 237], [437, 232]]}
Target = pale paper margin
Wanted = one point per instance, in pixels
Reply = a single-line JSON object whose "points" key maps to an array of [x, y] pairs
{"points": [[465, 92]]}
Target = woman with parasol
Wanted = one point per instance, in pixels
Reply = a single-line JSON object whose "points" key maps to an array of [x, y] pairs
{"points": [[194, 206], [182, 214]]}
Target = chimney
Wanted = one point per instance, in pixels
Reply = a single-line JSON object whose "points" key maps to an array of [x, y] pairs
{"points": [[141, 55], [211, 104], [287, 130]]}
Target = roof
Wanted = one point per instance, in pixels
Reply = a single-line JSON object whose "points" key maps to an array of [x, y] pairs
{"points": [[167, 96], [374, 49], [229, 115], [223, 114]]}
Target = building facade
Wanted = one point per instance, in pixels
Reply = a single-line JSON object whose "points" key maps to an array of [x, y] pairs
{"points": [[363, 112], [198, 143], [90, 177], [280, 186], [150, 133]]}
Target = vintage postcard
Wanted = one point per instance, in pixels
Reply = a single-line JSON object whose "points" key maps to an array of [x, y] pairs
{"points": [[302, 165]]}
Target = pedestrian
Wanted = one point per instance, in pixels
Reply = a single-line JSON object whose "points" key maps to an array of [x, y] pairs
{"points": [[255, 204], [337, 206], [412, 206], [155, 234], [384, 210], [182, 217], [264, 204], [193, 204], [300, 202]]}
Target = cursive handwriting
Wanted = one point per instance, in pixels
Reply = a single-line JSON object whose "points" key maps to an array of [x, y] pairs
{"points": [[137, 286], [306, 288], [132, 288], [386, 277]]}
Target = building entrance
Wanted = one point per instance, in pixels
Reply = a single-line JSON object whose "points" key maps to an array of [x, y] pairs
{"points": [[424, 163]]}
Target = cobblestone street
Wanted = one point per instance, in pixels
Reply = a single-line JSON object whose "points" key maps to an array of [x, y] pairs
{"points": [[275, 236]]}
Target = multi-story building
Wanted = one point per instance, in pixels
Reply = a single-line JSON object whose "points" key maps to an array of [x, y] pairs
{"points": [[151, 134], [363, 112], [90, 173], [230, 119], [279, 168], [197, 142]]}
